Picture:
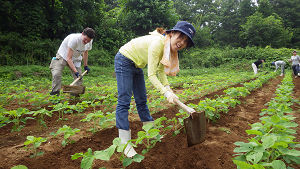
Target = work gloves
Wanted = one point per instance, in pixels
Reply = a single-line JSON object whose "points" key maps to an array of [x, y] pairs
{"points": [[170, 95], [87, 68], [78, 75]]}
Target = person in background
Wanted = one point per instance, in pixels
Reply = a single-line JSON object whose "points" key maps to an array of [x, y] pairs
{"points": [[277, 64], [295, 59], [256, 64], [159, 50], [73, 49]]}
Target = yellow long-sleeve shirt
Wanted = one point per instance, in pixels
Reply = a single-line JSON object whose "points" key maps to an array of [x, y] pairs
{"points": [[148, 50]]}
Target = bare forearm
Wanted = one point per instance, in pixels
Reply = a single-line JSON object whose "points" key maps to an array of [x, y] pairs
{"points": [[85, 58], [70, 61]]}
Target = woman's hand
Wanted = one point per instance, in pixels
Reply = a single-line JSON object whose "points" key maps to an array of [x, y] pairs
{"points": [[170, 96]]}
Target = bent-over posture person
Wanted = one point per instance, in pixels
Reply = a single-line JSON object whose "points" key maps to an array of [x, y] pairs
{"points": [[159, 50], [278, 64], [73, 49], [256, 64]]}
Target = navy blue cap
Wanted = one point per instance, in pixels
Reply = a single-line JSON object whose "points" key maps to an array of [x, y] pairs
{"points": [[186, 28]]}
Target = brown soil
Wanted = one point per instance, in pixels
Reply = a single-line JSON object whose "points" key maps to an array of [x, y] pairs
{"points": [[214, 153]]}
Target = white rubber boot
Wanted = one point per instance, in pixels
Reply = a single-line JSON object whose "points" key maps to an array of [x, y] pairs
{"points": [[125, 136]]}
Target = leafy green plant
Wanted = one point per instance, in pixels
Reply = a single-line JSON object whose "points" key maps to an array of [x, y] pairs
{"points": [[68, 132], [95, 118], [38, 100], [80, 107], [19, 167], [3, 120], [60, 108], [236, 92], [89, 156], [149, 137], [272, 145], [33, 143], [54, 99], [41, 116], [266, 150], [17, 117], [94, 104]]}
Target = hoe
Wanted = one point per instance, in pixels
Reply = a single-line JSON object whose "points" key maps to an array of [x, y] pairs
{"points": [[195, 125], [75, 89]]}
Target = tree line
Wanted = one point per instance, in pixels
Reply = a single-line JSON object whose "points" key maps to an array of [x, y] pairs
{"points": [[31, 31]]}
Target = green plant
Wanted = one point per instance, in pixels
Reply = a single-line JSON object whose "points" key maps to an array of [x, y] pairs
{"points": [[60, 107], [3, 120], [149, 137], [16, 117], [41, 116], [38, 100], [54, 99], [272, 145], [236, 92], [95, 118], [68, 132], [33, 143], [89, 156], [94, 104], [19, 167], [80, 107]]}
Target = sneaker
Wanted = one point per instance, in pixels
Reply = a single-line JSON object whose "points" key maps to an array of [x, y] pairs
{"points": [[296, 76], [281, 74]]}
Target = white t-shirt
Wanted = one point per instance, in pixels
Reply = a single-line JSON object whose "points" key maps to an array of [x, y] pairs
{"points": [[295, 60], [74, 42]]}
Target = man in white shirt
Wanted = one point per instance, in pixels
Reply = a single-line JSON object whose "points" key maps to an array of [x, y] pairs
{"points": [[277, 64], [295, 59], [71, 52]]}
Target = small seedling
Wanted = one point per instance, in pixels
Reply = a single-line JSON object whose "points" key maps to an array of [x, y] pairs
{"points": [[33, 143], [68, 132], [89, 156]]}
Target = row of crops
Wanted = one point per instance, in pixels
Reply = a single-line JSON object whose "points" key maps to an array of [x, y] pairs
{"points": [[272, 144]]}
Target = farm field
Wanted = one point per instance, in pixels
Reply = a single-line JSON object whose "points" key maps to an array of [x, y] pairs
{"points": [[236, 98]]}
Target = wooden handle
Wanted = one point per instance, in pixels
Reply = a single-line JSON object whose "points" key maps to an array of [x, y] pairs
{"points": [[183, 106], [76, 80]]}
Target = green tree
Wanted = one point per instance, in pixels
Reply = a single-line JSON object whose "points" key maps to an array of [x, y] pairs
{"points": [[228, 23], [260, 31], [144, 16], [246, 8], [265, 8], [288, 10], [203, 15]]}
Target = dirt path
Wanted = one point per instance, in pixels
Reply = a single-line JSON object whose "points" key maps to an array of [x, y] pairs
{"points": [[214, 153]]}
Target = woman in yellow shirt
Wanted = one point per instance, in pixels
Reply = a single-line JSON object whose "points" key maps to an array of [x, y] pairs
{"points": [[158, 50]]}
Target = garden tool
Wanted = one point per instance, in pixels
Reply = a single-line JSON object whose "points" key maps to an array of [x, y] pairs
{"points": [[195, 124], [75, 89]]}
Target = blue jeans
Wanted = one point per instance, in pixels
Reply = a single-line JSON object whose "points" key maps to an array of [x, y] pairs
{"points": [[295, 69], [130, 80]]}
